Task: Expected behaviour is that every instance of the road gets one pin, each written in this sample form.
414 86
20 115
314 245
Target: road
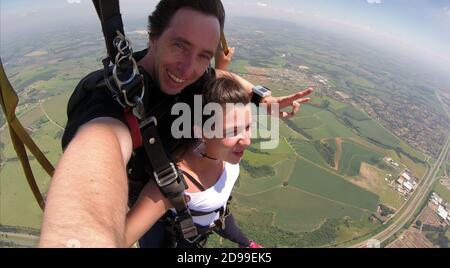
48 117
416 199
19 239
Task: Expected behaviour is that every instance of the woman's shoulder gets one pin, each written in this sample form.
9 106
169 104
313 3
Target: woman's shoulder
232 170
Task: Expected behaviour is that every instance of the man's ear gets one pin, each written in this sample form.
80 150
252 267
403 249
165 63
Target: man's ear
152 41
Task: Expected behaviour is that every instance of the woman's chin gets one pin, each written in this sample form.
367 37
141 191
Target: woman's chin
234 161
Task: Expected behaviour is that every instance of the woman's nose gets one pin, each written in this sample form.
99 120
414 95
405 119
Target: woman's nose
245 140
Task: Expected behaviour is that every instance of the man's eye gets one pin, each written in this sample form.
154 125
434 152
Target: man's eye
179 45
205 57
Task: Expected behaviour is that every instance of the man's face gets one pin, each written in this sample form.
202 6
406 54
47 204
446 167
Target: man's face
183 52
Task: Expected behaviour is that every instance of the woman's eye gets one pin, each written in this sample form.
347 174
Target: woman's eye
231 133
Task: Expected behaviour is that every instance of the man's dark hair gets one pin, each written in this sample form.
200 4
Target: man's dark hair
166 9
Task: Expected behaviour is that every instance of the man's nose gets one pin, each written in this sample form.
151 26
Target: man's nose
187 67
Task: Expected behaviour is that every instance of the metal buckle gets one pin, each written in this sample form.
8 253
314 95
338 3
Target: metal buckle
149 121
220 223
166 176
119 82
192 241
125 52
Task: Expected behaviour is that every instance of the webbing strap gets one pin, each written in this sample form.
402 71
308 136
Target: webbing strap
20 138
108 12
167 177
194 181
133 124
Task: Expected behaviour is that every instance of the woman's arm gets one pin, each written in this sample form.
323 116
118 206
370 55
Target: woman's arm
149 208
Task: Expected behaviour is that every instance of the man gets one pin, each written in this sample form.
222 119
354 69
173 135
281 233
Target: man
87 200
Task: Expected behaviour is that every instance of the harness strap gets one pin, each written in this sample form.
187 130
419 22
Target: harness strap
20 138
168 178
194 181
133 124
108 12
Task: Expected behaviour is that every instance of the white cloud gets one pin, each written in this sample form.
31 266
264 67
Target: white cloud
374 1
262 4
447 11
74 1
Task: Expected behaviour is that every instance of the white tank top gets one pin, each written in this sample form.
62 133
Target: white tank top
213 198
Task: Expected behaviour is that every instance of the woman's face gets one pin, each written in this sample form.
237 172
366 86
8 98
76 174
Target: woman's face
236 135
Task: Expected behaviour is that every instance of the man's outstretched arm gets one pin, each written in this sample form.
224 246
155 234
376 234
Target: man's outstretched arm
87 200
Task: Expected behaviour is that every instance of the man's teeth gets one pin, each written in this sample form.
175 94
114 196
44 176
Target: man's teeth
176 79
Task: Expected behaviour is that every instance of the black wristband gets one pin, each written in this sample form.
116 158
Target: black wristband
256 99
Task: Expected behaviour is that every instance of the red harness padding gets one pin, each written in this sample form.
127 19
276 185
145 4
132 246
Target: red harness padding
133 125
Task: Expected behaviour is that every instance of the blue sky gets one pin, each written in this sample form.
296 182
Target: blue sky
423 24
420 23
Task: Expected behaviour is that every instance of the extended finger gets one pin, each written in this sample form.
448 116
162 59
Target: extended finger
304 100
289 99
295 108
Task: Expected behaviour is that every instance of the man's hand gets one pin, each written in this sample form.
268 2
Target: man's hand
222 60
294 100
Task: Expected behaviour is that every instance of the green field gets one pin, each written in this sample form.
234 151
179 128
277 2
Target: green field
373 130
307 150
353 113
322 182
352 156
330 127
251 186
442 191
239 66
312 191
56 108
318 100
18 206
296 210
308 122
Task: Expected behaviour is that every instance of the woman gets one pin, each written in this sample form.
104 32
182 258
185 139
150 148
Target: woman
210 167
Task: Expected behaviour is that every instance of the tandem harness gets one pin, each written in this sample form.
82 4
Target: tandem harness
126 86
171 227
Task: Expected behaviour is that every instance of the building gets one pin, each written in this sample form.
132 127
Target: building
442 212
436 199
406 176
408 186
